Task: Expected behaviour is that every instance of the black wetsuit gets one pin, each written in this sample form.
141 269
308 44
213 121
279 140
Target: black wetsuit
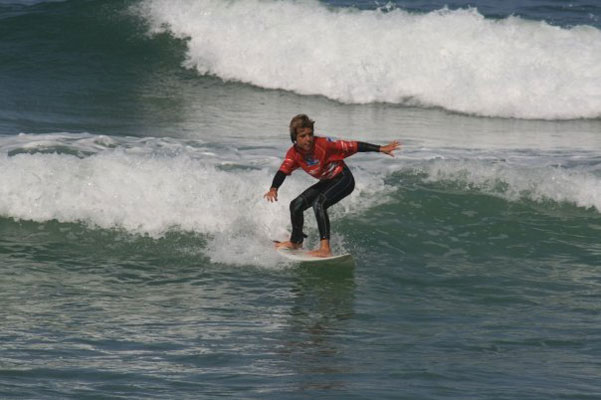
320 196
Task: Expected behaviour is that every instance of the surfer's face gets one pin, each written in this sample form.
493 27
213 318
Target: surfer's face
304 138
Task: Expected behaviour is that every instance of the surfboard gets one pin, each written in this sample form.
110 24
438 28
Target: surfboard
302 256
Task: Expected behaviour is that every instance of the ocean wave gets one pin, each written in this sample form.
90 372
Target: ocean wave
457 60
579 186
151 186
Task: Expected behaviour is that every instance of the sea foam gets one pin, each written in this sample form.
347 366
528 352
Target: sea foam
457 60
577 186
150 186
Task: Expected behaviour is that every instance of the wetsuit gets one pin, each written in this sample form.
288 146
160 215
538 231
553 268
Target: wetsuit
324 162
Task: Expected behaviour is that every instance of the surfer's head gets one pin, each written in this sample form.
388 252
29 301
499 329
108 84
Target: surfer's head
299 122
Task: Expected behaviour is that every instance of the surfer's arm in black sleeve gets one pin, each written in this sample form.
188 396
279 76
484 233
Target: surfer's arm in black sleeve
362 147
386 149
278 179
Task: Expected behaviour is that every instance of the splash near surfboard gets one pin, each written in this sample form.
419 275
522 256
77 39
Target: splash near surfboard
302 256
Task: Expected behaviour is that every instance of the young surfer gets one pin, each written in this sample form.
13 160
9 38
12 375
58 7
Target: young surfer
321 158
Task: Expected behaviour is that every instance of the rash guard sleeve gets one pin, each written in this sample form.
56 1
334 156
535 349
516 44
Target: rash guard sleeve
362 147
290 162
278 179
340 149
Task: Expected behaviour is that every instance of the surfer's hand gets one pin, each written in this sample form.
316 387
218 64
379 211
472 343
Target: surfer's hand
272 195
390 147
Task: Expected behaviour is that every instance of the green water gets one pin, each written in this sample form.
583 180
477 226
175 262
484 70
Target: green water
501 303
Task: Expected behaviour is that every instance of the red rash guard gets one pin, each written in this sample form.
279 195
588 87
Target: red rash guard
324 162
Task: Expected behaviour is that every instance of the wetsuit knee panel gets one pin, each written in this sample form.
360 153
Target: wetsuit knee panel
297 205
320 203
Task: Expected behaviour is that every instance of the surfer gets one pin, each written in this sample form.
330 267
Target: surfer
321 158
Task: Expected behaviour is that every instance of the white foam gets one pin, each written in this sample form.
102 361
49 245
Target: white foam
150 186
457 60
578 186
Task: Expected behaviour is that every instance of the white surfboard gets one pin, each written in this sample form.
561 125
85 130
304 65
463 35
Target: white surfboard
302 256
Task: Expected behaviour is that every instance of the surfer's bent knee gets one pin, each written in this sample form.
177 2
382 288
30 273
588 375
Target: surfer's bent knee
319 204
323 222
297 205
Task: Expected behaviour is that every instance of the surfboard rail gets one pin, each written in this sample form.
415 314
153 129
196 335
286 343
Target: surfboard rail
302 256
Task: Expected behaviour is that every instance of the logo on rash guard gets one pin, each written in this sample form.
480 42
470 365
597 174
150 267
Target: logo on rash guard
329 171
311 161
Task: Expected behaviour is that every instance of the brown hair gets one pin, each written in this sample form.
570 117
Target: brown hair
298 122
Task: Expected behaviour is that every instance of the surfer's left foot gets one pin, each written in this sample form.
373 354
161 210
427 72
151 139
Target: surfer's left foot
288 245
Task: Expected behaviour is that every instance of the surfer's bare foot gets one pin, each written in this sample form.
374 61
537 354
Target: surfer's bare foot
320 253
288 245
324 249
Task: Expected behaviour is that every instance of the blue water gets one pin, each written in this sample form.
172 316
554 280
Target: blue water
137 138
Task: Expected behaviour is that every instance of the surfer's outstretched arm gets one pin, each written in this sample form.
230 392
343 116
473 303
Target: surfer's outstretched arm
272 194
386 149
390 147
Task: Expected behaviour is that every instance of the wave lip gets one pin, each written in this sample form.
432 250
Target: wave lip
578 186
457 60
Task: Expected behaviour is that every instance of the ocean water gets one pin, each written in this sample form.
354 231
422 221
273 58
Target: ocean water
137 138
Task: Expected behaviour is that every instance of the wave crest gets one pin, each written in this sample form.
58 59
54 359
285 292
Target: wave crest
457 60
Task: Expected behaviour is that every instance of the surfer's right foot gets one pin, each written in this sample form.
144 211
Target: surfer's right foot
288 245
320 253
